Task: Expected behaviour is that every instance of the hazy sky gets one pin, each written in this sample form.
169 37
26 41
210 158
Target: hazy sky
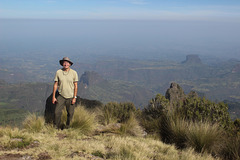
148 27
122 9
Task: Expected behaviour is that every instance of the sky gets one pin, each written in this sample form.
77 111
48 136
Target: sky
203 27
220 10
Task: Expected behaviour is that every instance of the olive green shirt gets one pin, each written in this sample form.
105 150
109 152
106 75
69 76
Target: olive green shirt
66 82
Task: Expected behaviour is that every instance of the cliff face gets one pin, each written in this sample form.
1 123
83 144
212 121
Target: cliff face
192 59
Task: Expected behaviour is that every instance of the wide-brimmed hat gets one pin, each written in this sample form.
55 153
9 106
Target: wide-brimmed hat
65 59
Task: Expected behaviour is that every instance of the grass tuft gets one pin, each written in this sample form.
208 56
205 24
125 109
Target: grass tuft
83 120
179 128
205 137
14 138
131 127
33 123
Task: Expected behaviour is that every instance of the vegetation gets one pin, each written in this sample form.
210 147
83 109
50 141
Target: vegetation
50 143
33 123
191 128
197 123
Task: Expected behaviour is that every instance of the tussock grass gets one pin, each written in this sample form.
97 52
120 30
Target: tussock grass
179 128
232 148
32 123
131 127
83 120
14 138
205 137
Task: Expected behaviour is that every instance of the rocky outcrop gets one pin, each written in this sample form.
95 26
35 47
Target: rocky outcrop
175 93
192 59
176 96
50 108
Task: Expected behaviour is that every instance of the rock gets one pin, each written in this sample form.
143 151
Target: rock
175 94
50 108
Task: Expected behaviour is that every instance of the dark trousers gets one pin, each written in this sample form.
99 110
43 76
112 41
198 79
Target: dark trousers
61 103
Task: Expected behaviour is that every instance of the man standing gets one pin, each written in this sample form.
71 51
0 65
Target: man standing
65 82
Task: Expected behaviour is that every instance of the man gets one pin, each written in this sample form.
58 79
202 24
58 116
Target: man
66 83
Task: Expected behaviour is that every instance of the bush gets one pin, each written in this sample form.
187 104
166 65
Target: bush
201 109
33 123
83 120
117 112
154 113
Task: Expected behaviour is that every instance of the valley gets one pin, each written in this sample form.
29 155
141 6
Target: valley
26 84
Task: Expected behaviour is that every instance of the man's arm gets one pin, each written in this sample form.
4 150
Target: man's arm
75 92
55 86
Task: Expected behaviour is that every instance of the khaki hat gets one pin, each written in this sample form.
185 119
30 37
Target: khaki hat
65 59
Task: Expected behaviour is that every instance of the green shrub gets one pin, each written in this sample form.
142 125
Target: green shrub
201 109
32 123
117 112
83 120
153 115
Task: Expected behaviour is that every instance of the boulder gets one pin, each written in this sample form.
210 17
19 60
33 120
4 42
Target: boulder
50 107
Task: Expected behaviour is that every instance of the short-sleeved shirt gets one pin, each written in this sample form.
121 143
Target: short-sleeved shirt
66 82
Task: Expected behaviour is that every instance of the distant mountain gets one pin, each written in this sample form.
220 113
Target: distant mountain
192 59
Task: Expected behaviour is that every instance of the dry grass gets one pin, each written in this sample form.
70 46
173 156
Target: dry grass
11 138
205 137
83 120
131 127
77 142
68 144
33 123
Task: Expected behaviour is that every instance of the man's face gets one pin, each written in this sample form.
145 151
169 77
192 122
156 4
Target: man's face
66 64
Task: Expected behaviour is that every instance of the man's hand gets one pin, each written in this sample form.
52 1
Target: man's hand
54 100
74 100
